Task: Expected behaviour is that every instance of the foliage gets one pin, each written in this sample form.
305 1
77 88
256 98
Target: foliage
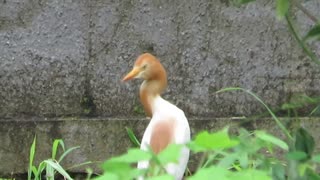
248 155
52 165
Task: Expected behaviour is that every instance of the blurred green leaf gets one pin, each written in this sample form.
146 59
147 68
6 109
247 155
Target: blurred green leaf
304 142
170 154
122 165
210 173
282 8
211 141
243 159
274 140
314 33
116 166
161 177
132 156
311 174
107 176
316 158
297 155
250 174
228 160
122 170
278 172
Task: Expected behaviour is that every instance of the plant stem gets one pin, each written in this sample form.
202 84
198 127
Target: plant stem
300 42
202 160
305 11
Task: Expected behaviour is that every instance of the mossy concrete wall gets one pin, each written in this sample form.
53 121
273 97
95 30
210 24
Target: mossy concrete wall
66 59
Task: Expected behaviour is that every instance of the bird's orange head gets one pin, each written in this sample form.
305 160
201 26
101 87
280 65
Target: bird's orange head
146 67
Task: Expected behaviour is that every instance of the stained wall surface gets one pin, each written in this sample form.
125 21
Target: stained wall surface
62 58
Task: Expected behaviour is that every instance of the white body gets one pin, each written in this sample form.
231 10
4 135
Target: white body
162 109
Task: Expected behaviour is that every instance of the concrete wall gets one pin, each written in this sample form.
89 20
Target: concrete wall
63 58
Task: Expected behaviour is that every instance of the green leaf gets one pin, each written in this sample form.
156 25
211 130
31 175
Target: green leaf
227 161
31 157
282 8
278 172
311 174
122 167
314 33
170 154
243 159
316 158
123 170
107 176
304 142
297 155
250 174
269 138
116 167
67 152
58 168
210 173
218 140
132 156
132 137
55 145
161 177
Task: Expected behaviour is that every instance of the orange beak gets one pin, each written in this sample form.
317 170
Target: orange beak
132 74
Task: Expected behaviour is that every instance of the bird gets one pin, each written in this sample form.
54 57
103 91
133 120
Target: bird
168 123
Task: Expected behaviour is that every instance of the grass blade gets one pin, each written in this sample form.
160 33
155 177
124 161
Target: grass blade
314 33
56 166
132 137
274 140
305 48
35 172
41 167
67 152
282 8
281 126
89 173
316 109
49 172
81 164
55 145
31 157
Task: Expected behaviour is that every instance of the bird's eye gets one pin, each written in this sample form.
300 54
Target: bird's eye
144 66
